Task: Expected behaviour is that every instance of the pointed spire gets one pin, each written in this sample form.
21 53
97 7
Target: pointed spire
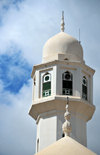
66 127
62 22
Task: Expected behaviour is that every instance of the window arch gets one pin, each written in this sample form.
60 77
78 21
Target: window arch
34 80
67 83
46 91
63 135
66 59
84 88
38 145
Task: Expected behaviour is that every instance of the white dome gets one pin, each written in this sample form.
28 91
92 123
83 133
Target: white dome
66 146
62 46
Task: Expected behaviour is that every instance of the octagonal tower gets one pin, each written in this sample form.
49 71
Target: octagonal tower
62 73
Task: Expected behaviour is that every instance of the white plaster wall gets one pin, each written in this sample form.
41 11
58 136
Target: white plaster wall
36 87
74 73
59 81
46 131
54 80
91 89
33 90
60 121
88 88
78 129
77 82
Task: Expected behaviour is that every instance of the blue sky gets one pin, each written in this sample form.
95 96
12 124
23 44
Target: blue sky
14 71
25 25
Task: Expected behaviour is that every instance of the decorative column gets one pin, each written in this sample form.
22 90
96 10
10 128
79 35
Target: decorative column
66 127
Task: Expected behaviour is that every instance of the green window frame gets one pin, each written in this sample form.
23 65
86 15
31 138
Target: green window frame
46 86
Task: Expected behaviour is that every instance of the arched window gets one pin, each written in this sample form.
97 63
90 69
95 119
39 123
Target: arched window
67 83
37 145
84 88
63 135
66 59
46 85
34 80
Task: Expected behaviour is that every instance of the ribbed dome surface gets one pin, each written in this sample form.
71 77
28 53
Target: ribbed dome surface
62 46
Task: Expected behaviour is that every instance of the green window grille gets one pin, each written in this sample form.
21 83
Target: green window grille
67 83
46 86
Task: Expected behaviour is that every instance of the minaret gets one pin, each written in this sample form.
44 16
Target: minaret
62 73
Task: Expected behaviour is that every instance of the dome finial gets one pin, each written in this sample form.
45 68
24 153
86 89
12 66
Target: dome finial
62 22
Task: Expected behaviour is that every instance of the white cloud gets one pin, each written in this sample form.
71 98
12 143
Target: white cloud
22 28
17 132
